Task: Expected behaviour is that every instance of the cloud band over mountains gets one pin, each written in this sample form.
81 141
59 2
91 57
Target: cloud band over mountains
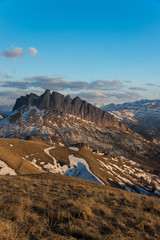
94 91
58 84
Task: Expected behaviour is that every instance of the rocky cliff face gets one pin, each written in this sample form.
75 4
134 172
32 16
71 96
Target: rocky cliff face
60 104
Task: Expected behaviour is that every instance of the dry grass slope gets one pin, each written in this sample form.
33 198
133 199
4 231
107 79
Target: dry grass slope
13 152
29 157
47 206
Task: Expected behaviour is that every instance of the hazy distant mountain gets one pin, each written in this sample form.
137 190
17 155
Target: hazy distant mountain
129 105
141 116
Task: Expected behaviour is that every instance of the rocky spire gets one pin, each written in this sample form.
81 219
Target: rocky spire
44 100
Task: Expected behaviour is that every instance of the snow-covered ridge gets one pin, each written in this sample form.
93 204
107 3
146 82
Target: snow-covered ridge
129 105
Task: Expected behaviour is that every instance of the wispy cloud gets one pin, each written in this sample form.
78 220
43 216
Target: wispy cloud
102 97
13 95
127 81
126 95
6 76
91 95
137 88
150 84
10 94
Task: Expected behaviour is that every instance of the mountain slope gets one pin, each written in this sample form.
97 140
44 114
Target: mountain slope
69 129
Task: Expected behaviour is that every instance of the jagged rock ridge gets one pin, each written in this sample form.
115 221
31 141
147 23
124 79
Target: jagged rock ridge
61 104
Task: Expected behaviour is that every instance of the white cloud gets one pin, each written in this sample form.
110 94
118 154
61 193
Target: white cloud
32 51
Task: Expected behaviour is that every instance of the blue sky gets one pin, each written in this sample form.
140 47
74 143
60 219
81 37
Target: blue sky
102 50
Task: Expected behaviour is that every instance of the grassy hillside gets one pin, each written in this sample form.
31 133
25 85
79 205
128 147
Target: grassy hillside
16 153
51 206
31 157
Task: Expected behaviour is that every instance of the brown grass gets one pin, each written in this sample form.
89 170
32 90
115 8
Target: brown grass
55 207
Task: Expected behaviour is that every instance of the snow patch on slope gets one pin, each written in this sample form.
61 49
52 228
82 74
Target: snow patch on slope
74 149
5 169
78 167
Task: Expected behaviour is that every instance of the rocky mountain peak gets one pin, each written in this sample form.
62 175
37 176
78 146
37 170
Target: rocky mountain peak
59 104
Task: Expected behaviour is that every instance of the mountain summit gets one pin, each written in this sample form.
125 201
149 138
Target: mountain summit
60 104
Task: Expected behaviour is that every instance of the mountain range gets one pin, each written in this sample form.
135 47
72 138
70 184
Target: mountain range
58 134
